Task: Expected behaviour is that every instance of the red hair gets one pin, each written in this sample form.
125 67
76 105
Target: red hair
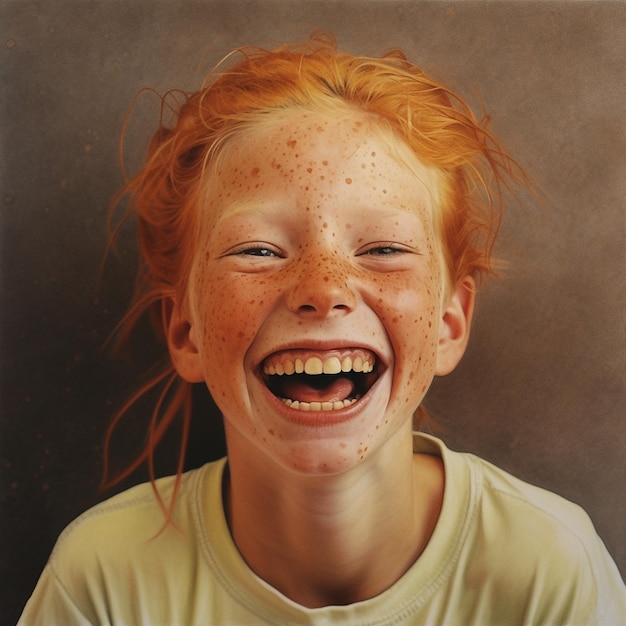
436 124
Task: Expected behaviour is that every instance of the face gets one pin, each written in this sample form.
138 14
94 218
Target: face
314 308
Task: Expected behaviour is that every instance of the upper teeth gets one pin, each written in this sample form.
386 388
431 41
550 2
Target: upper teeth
315 365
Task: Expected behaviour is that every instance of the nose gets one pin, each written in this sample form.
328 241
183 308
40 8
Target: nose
321 290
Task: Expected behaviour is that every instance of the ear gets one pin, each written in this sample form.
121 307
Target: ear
183 351
454 329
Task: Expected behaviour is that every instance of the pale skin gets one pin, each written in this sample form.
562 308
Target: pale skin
317 244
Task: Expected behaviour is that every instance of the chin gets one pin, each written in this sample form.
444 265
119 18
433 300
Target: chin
325 460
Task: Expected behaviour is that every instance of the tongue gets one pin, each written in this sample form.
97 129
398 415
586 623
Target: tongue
328 389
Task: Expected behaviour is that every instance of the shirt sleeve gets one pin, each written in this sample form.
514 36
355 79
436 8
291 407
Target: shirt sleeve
611 590
51 605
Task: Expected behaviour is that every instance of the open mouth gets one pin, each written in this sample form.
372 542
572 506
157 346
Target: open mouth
326 381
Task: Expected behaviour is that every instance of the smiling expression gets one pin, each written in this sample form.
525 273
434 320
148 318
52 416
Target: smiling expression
315 300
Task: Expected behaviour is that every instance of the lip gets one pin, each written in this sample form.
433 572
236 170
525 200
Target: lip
321 418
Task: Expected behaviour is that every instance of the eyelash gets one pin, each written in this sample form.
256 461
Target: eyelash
387 249
260 251
256 250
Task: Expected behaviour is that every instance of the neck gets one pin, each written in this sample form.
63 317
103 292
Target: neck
337 539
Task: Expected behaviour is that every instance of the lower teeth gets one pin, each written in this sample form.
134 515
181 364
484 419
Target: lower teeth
319 406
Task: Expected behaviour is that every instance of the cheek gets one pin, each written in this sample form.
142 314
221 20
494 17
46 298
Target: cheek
412 325
229 311
410 315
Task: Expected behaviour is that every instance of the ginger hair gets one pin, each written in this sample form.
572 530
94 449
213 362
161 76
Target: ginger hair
437 125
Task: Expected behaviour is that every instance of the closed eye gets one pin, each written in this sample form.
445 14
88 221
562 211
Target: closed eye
258 252
386 249
255 250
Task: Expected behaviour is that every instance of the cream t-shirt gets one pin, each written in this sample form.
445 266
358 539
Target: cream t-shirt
503 553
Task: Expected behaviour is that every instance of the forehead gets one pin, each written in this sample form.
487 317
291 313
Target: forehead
319 147
297 161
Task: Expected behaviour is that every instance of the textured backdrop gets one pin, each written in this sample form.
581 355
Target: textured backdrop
542 389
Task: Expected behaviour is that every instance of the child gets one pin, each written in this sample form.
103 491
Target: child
313 228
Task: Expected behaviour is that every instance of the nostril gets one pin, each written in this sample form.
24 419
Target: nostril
321 309
321 298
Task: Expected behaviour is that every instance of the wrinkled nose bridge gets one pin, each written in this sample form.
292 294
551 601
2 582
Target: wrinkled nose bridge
322 287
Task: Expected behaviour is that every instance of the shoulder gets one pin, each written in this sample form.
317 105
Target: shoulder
511 505
126 535
553 544
524 544
120 562
505 493
506 507
134 514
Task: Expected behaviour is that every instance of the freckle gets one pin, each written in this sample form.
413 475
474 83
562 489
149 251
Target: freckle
348 181
324 162
373 154
255 172
309 170
292 143
322 178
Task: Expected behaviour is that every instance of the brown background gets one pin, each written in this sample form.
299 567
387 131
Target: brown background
542 389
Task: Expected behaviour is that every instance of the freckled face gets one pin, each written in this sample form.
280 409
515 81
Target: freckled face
315 295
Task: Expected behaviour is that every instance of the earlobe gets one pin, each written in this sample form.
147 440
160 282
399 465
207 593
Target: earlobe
455 325
182 348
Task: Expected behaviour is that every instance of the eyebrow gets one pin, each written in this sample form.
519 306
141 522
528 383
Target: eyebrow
245 209
252 209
